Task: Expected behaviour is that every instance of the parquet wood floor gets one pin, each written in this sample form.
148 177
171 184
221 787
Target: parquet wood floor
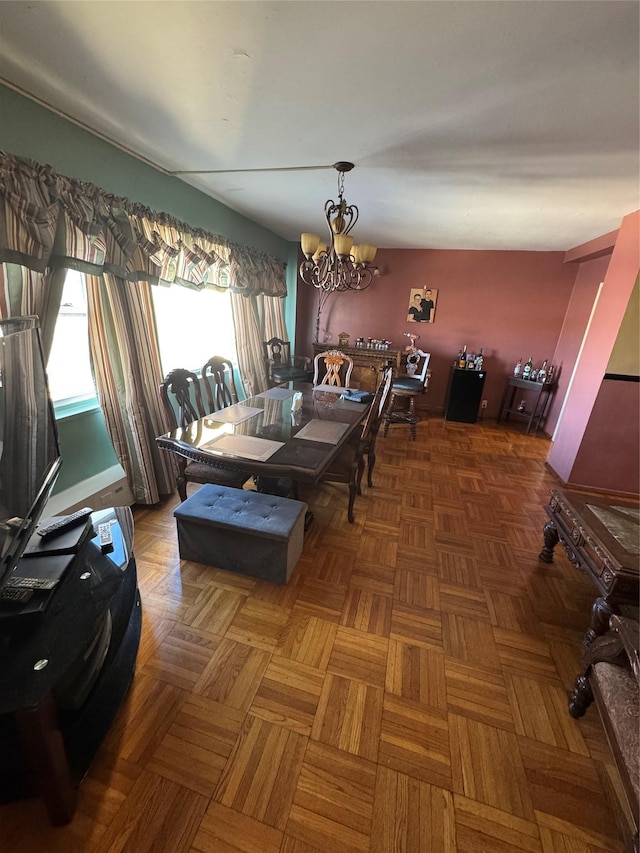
406 691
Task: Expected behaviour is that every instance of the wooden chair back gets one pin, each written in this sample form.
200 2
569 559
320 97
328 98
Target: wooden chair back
219 384
333 362
181 389
417 365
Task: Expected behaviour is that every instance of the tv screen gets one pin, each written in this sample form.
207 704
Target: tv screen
29 451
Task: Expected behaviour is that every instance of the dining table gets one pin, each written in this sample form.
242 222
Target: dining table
289 432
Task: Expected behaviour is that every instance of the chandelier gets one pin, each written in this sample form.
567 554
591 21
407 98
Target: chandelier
338 265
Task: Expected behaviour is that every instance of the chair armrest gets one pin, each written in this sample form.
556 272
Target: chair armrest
629 633
301 361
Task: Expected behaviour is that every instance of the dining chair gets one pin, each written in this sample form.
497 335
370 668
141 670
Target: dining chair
404 390
183 404
281 366
348 466
333 364
219 384
370 448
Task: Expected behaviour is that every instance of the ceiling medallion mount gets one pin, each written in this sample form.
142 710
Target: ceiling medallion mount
339 264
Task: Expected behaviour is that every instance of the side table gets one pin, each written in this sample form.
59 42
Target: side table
538 396
600 537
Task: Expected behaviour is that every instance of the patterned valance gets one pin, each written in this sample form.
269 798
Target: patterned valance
49 220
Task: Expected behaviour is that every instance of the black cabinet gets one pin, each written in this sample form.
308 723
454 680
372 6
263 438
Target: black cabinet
464 395
66 670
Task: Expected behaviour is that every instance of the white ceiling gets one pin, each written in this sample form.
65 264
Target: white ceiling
486 125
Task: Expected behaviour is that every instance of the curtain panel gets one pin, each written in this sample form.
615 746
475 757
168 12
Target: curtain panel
50 223
48 220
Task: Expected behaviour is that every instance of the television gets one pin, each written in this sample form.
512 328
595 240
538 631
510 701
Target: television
29 450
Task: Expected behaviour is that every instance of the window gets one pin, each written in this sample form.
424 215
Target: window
193 326
69 365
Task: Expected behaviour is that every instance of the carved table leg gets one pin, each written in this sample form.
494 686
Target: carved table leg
601 612
551 539
581 697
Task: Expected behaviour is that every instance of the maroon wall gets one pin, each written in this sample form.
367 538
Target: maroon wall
510 303
609 455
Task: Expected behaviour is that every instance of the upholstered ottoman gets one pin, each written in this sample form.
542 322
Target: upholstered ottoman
242 531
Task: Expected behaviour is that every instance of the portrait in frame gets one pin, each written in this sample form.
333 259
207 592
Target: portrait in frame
422 305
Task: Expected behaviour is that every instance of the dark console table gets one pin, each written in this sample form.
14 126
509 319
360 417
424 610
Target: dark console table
66 670
600 537
537 397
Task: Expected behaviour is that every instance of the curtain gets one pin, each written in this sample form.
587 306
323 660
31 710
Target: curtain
274 325
126 366
24 291
249 339
48 220
50 223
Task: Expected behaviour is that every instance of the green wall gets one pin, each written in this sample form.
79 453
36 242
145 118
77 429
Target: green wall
28 130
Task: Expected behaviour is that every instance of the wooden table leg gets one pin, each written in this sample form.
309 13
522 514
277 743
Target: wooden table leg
601 613
551 539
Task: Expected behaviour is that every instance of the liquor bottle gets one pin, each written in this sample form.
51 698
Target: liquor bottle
479 360
550 372
542 373
534 374
471 360
462 362
526 370
518 368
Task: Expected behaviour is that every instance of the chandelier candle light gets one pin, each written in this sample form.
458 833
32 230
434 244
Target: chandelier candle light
339 265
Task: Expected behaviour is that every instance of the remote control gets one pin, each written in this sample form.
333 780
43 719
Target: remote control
65 523
14 596
105 536
31 583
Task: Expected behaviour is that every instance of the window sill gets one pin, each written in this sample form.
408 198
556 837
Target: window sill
70 407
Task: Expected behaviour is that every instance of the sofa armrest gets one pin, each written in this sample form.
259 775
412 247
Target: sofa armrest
628 630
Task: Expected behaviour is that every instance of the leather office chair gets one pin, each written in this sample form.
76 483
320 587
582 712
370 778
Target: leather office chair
281 366
219 384
348 466
333 364
404 390
181 389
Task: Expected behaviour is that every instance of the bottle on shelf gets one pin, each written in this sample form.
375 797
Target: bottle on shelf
526 370
550 372
522 405
533 376
479 360
517 370
471 358
462 361
542 373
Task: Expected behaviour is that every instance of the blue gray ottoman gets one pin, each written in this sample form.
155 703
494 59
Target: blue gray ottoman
242 531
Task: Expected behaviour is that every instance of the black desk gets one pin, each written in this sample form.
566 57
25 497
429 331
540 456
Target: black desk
537 396
65 671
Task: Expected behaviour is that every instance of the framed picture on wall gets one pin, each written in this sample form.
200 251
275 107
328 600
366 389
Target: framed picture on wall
422 305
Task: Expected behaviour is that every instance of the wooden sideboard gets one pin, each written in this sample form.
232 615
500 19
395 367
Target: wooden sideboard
367 363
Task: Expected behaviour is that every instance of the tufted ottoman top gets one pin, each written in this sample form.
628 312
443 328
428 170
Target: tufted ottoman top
234 509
